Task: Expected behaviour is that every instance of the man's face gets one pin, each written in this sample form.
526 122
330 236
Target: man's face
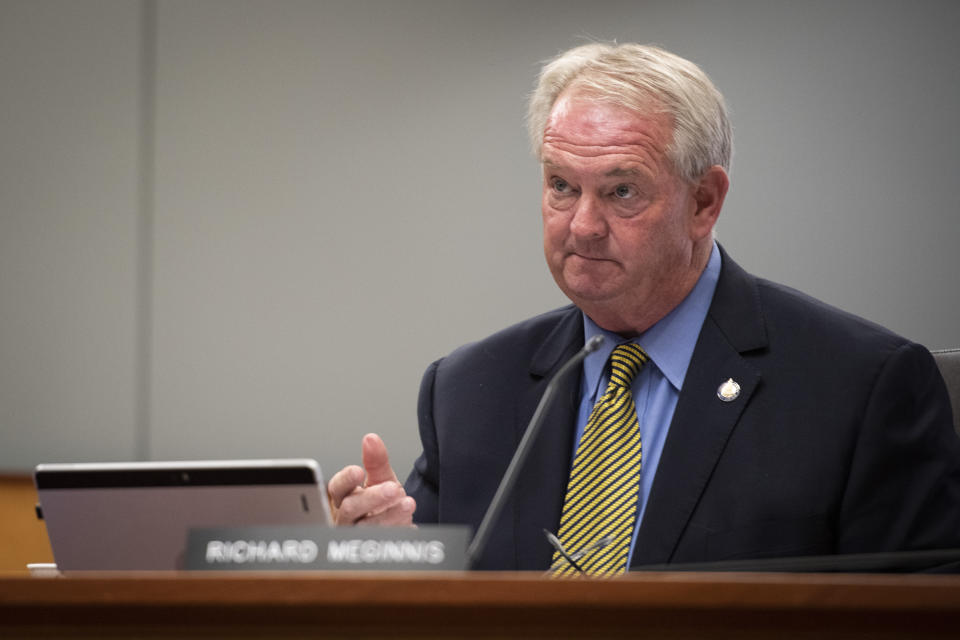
616 220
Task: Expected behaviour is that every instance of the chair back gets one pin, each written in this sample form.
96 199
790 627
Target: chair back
949 362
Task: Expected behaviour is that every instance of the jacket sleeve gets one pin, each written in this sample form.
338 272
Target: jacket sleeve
423 481
903 489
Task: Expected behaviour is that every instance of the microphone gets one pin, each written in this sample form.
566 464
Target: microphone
479 542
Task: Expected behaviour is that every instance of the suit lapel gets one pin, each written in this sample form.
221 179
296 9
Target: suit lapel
702 422
543 480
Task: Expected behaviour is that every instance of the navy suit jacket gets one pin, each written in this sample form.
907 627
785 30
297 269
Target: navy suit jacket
841 440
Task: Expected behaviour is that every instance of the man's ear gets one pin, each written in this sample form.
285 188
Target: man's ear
708 194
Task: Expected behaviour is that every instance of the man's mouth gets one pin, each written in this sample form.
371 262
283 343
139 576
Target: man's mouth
587 256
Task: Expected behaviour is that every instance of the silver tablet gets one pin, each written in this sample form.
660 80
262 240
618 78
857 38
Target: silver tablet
136 515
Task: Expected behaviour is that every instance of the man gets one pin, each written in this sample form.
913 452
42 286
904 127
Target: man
761 422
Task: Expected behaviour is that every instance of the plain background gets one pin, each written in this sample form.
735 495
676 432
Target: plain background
244 228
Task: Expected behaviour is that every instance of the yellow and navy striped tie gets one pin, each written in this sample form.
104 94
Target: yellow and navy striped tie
601 499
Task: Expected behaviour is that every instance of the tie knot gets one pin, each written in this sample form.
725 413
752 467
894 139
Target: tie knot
625 362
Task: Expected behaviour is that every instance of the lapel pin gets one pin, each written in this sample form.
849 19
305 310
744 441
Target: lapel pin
728 391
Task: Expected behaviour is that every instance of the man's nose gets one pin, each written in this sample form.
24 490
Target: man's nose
588 220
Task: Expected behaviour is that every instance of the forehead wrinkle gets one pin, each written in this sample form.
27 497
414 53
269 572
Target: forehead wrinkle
637 165
621 172
651 131
624 141
592 150
642 150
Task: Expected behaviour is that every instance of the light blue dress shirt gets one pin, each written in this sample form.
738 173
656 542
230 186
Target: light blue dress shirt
669 343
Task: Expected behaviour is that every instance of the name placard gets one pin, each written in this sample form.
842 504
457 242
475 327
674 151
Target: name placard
313 548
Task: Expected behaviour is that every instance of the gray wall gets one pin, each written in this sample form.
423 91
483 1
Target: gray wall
243 229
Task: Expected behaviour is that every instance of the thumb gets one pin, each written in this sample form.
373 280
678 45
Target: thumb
376 462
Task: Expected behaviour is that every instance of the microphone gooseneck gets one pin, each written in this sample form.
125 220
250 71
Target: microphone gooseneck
479 542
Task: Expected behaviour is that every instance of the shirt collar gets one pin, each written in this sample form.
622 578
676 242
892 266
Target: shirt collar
669 342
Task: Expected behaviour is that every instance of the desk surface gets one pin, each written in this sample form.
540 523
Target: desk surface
677 605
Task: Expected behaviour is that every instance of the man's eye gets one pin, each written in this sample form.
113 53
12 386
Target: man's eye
623 191
560 186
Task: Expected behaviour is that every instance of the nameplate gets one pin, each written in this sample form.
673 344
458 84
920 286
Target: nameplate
312 548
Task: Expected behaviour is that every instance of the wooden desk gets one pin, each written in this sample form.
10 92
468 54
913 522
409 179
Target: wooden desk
662 605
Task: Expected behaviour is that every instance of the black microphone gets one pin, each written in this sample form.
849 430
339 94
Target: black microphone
510 476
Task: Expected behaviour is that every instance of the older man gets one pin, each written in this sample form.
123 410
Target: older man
724 417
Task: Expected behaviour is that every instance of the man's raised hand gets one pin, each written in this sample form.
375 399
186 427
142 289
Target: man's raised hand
370 494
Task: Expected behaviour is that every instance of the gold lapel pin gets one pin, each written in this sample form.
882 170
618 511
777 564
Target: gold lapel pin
728 391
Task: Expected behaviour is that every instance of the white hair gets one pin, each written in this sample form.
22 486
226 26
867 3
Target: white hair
645 79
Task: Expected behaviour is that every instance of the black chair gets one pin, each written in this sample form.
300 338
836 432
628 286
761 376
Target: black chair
949 362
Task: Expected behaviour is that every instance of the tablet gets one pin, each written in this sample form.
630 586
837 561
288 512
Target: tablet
136 515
